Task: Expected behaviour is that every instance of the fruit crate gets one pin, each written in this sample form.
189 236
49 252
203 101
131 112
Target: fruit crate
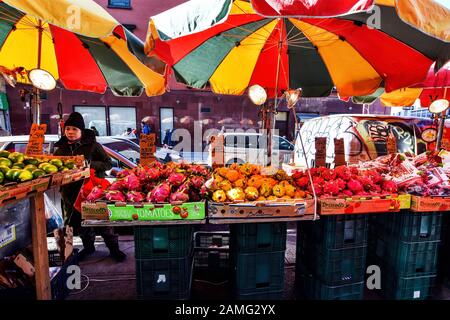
336 232
255 273
395 287
271 295
359 204
212 250
163 242
168 279
333 266
14 191
312 288
409 226
406 258
258 237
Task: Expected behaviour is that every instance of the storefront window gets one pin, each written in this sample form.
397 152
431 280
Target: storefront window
119 4
166 125
122 118
94 117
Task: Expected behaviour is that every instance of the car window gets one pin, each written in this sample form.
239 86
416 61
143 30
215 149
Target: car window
22 146
128 150
283 144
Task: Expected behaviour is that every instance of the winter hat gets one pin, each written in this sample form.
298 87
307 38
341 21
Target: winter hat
75 120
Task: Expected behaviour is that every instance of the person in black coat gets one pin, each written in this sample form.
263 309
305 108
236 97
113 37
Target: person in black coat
80 141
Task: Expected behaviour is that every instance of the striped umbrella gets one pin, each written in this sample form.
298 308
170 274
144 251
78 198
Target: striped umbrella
80 44
351 53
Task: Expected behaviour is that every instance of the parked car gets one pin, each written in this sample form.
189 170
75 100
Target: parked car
365 136
244 147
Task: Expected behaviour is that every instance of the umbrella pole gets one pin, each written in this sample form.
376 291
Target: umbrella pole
37 100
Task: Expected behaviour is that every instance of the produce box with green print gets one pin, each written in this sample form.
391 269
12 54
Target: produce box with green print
121 211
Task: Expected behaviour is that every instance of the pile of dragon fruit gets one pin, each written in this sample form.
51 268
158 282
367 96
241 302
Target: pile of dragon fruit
344 181
156 183
423 175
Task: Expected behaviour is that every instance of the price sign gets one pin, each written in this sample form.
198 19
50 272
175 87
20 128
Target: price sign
217 151
36 141
148 148
321 151
339 152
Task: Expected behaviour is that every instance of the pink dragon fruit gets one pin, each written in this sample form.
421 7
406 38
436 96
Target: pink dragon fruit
135 196
118 185
347 192
123 174
197 182
132 183
95 194
153 174
114 195
199 170
179 197
194 195
160 194
355 186
176 179
389 186
204 192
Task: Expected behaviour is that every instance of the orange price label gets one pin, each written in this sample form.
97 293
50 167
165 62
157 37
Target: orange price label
148 148
36 141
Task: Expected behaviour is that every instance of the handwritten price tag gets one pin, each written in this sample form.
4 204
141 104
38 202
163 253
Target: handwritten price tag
148 148
321 151
36 141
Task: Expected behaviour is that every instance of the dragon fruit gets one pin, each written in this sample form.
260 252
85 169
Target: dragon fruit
114 195
197 182
367 183
329 175
355 186
95 194
179 197
302 182
159 194
132 183
297 174
199 170
389 186
122 174
317 188
118 185
331 188
135 196
153 174
318 180
194 195
341 184
347 192
176 179
343 173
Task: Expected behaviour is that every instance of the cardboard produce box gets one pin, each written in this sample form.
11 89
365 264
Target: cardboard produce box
430 204
359 204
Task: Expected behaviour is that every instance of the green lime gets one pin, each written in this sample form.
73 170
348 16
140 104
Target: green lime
4 169
70 164
50 168
43 164
30 160
12 174
37 173
4 153
56 162
63 169
30 167
25 175
16 157
5 162
2 177
19 165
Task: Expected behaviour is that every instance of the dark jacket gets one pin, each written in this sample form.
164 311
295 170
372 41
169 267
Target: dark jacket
92 151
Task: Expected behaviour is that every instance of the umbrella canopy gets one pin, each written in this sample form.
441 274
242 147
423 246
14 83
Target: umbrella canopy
308 8
79 43
280 53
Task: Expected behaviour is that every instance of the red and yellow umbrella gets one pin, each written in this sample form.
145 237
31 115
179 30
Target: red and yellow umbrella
79 44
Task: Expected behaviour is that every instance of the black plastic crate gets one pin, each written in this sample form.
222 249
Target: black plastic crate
164 278
333 266
311 288
395 287
271 295
258 237
163 241
409 226
407 258
336 232
255 273
212 255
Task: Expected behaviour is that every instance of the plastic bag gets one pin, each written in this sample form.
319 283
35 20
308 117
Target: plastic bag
87 187
53 216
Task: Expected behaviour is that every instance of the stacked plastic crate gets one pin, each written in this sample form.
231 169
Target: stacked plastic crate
164 262
257 259
405 246
331 257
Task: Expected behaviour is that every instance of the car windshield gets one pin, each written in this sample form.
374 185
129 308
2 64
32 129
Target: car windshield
128 150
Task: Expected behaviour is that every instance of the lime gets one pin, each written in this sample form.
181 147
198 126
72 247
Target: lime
2 177
4 153
19 165
5 162
12 174
30 167
63 169
25 175
4 169
49 168
70 164
56 162
43 164
37 173
30 160
16 157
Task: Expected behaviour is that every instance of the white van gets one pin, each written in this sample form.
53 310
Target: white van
245 147
365 136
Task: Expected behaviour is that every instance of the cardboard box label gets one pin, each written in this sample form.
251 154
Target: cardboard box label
7 235
427 204
94 211
36 140
352 206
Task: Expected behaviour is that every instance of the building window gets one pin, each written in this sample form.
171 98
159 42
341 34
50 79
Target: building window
166 123
122 118
94 117
123 4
